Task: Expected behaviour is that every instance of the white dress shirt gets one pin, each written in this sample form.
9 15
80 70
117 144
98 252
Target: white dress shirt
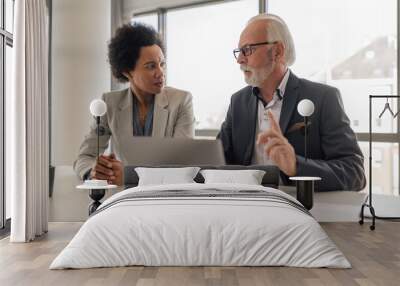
263 124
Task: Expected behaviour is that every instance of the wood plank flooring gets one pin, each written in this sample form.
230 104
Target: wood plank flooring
374 255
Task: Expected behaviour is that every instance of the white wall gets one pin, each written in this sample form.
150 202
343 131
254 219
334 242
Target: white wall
80 71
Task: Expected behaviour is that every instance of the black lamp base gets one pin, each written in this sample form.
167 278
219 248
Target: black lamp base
96 195
305 193
305 190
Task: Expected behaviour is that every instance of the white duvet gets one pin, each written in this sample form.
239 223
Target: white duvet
183 231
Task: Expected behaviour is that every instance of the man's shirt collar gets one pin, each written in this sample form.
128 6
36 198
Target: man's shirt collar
279 93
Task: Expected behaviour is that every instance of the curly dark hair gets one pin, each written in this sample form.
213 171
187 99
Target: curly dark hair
124 47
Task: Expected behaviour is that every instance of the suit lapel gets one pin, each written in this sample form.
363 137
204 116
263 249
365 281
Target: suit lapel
160 115
250 133
289 102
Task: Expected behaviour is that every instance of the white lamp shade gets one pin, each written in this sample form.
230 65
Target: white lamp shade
98 107
305 107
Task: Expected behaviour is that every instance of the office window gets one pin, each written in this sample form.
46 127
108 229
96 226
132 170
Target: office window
385 167
149 19
200 41
355 52
6 43
9 15
8 85
2 131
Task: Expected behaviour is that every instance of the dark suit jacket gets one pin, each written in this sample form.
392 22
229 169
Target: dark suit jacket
333 151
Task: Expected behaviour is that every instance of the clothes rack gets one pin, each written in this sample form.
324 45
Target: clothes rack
368 202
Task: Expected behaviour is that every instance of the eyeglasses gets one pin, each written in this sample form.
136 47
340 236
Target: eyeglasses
249 49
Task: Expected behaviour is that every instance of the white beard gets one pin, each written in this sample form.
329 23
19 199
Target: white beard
258 76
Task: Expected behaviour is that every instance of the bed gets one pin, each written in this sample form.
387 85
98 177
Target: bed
201 224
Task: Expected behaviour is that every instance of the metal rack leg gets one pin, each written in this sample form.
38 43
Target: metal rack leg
374 216
372 211
361 221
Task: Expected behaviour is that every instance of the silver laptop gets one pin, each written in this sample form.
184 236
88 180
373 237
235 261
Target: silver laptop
151 151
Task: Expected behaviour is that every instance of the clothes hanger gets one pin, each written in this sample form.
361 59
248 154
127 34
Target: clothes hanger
387 107
397 113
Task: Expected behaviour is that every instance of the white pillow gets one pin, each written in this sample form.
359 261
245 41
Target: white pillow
163 176
248 177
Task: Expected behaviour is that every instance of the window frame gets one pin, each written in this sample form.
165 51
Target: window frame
6 39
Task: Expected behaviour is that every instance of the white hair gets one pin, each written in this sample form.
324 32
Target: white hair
278 31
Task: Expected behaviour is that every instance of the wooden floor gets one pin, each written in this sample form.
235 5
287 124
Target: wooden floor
374 255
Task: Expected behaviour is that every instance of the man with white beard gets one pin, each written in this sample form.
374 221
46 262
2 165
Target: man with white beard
263 127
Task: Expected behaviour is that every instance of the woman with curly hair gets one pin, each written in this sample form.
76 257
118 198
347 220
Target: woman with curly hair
145 108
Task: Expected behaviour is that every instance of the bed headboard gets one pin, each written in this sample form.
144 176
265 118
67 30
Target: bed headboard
270 179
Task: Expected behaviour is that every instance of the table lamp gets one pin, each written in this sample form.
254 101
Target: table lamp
305 185
98 108
96 188
305 109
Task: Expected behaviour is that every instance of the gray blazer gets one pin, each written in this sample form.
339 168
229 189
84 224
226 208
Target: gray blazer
333 151
173 117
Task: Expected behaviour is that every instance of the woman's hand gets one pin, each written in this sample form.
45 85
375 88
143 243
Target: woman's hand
108 168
